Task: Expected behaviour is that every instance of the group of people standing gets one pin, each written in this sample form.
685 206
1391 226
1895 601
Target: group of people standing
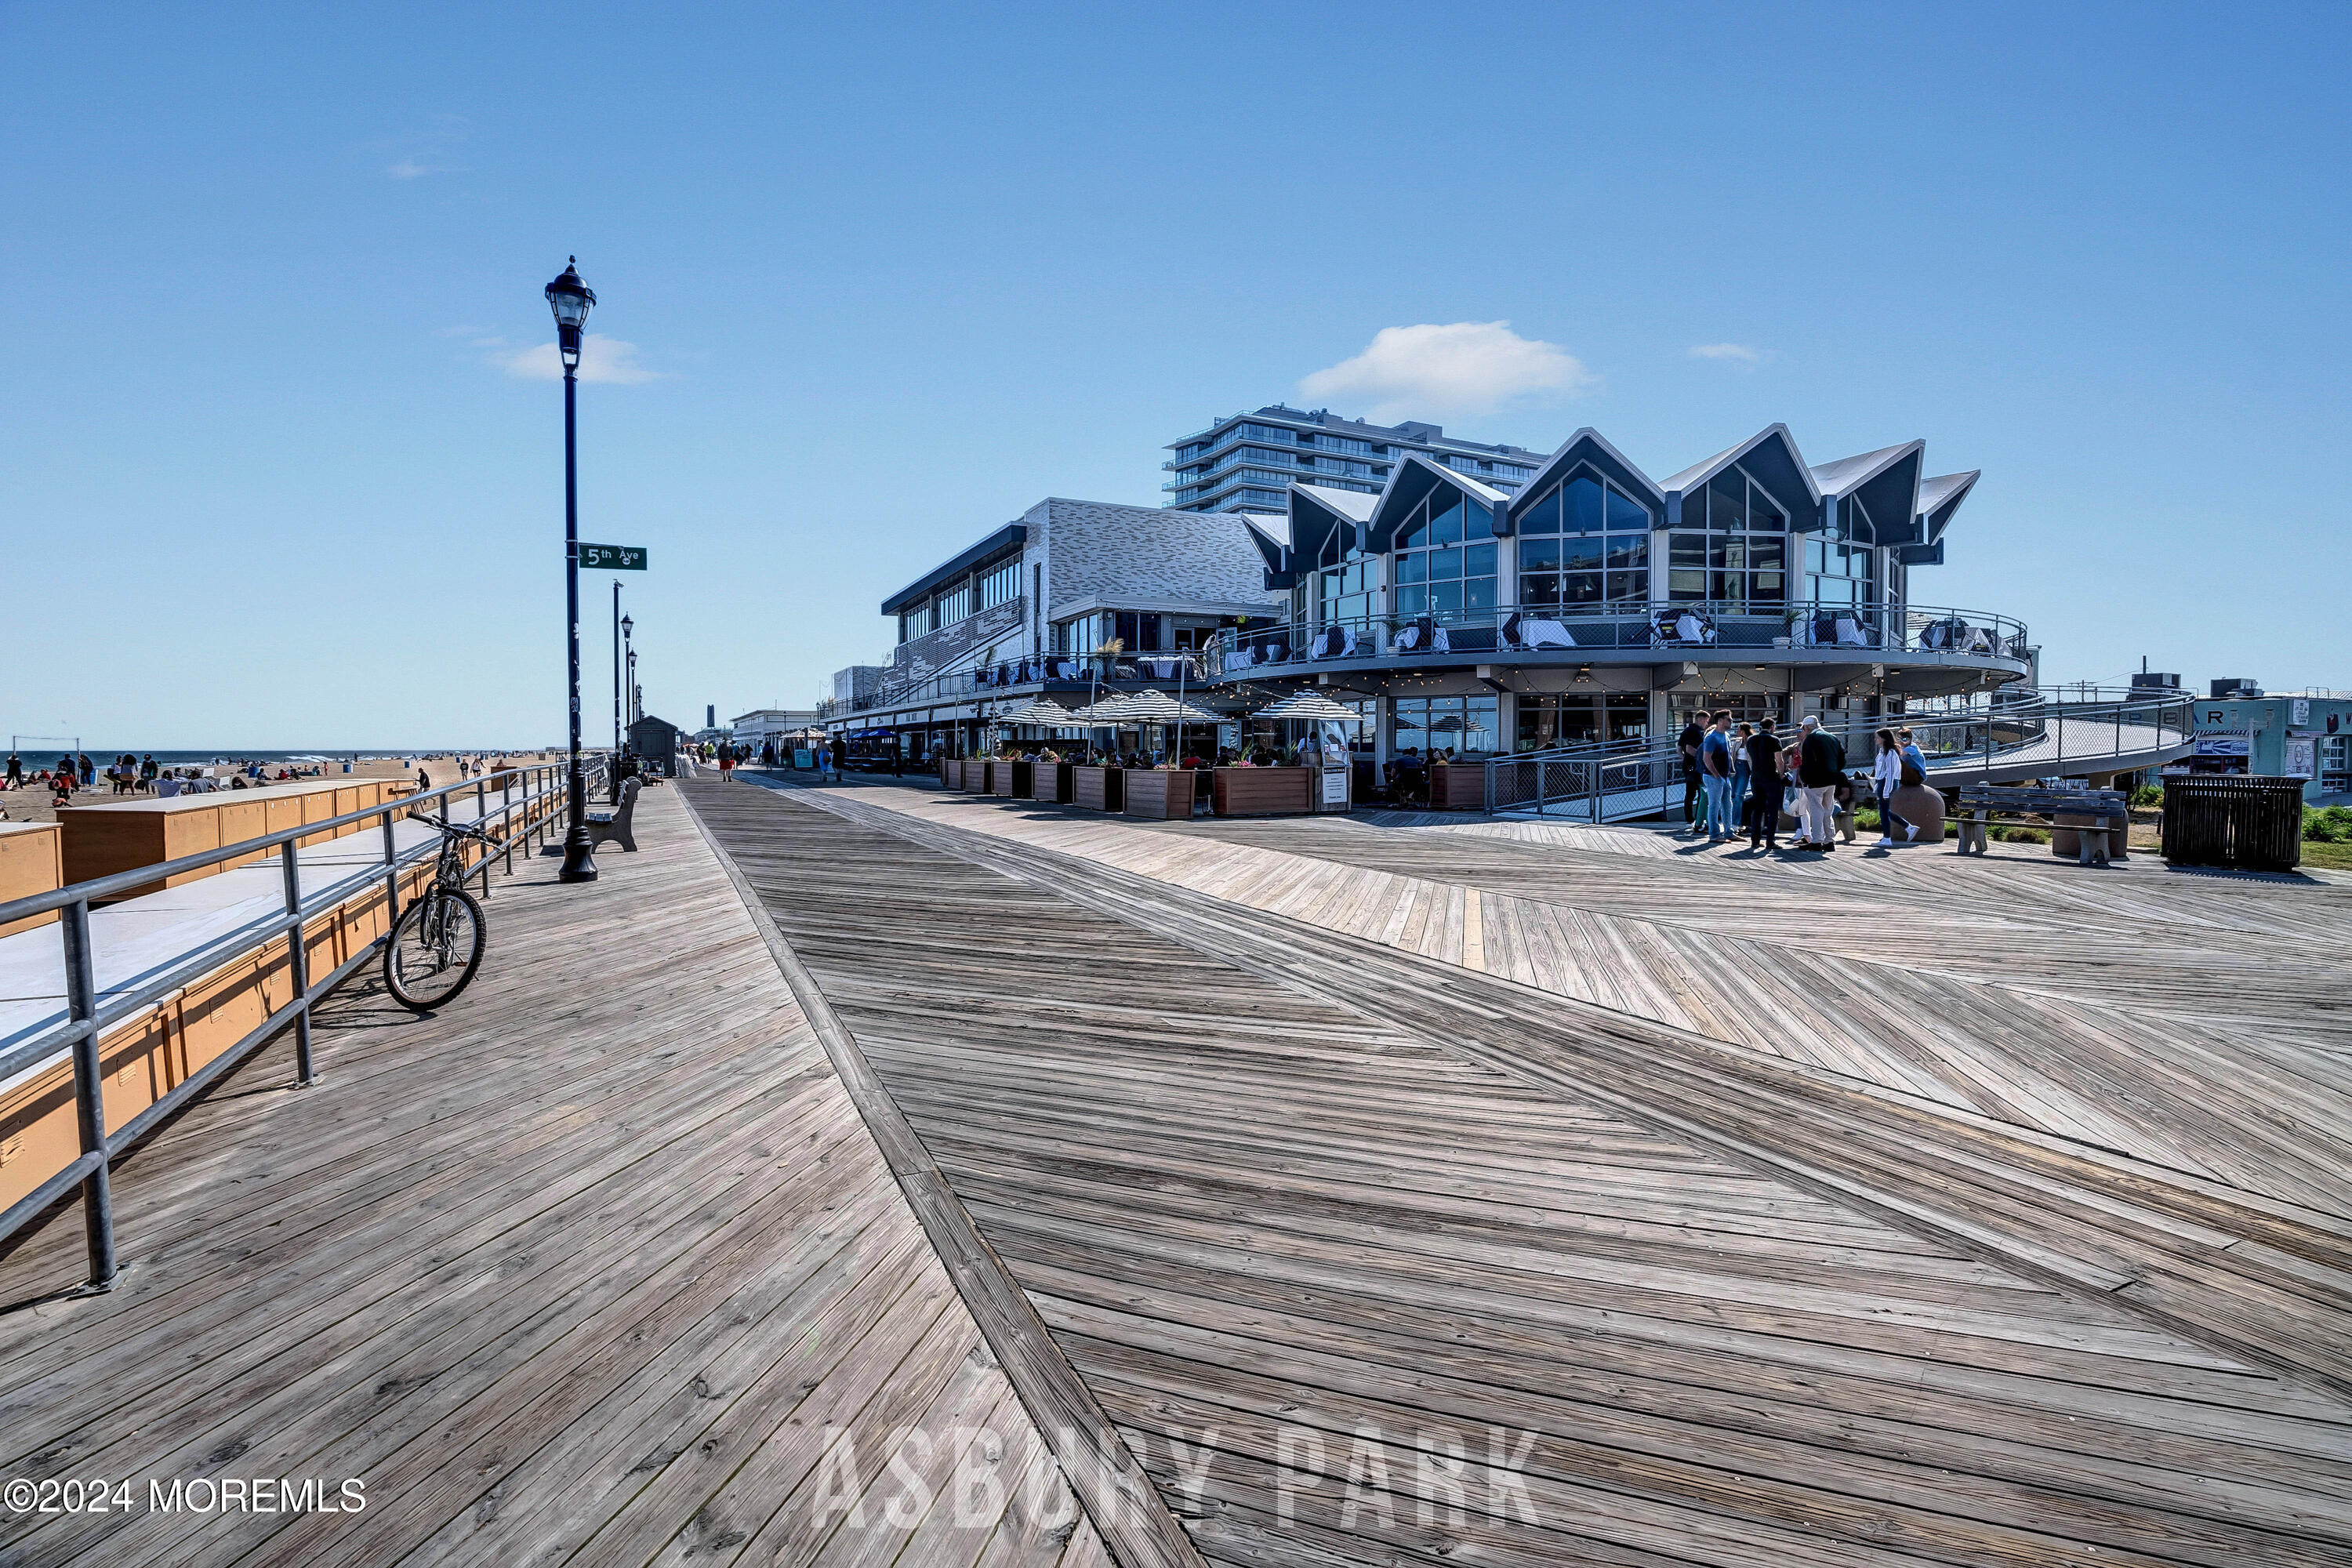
1738 780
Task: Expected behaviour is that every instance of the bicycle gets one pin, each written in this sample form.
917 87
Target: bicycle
437 940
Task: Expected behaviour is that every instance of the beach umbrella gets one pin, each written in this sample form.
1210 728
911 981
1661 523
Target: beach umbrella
1156 707
1043 710
1312 706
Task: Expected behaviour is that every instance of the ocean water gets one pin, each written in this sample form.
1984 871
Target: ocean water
103 755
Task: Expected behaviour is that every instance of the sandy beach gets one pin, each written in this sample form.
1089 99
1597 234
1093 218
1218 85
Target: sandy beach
33 803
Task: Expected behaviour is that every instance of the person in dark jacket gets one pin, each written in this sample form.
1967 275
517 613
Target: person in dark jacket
1694 733
1764 778
1821 766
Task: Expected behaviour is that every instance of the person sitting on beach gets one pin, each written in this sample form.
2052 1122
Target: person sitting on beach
61 787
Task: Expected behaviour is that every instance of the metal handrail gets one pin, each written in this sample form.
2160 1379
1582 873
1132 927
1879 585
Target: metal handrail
1589 763
1599 628
88 1017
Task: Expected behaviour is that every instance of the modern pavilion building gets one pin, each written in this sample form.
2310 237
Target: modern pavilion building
1594 603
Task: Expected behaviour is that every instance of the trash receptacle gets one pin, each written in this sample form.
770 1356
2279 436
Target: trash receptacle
2227 819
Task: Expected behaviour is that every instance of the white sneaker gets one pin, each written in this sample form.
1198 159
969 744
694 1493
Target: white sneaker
1885 840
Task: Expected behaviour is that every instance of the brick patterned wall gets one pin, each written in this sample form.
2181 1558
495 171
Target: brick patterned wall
1093 550
930 654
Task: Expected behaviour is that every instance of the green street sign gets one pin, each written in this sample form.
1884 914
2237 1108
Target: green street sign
613 557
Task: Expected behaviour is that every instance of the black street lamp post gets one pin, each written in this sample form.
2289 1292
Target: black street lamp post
571 299
618 621
633 709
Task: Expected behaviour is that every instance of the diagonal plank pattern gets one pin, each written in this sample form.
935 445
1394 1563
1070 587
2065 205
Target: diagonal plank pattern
2256 1276
1359 1296
2041 1021
598 1265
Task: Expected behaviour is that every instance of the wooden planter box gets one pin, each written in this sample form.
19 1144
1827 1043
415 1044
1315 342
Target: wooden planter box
1048 782
30 863
1264 792
1455 786
1009 780
951 773
1099 789
985 771
1164 793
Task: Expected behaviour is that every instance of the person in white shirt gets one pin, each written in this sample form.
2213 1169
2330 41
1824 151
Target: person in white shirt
1886 777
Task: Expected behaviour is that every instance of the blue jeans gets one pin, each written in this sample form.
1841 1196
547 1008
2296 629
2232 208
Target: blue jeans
1720 823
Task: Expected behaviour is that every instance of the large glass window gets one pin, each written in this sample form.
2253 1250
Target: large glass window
955 604
1108 631
1578 719
1346 593
1837 570
1001 586
1445 557
1732 546
1585 544
1464 725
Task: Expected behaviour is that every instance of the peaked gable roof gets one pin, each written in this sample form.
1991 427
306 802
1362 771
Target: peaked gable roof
1587 446
1886 482
1415 476
1939 497
1770 455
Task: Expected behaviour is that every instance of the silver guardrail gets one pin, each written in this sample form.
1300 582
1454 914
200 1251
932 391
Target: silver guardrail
1617 779
89 1016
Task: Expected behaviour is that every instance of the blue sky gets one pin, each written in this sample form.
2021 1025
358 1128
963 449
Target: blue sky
888 275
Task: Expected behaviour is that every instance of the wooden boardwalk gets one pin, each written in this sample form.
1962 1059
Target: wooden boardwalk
601 1266
1385 1244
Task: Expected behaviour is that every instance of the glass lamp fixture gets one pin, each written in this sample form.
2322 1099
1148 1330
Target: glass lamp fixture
571 299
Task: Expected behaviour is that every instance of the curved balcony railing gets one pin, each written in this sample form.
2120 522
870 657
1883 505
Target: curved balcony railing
1693 624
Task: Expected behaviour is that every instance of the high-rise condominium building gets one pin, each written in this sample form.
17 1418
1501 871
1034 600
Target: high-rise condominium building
1242 462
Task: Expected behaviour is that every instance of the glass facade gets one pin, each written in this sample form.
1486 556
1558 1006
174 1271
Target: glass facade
1445 557
1001 586
1732 546
1837 570
1428 724
1578 719
1345 593
1585 544
1108 631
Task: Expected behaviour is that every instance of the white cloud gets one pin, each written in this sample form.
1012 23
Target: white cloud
1739 351
1462 367
426 151
601 358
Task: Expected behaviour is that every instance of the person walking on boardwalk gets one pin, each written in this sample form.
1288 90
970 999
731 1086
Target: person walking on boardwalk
726 763
1820 764
1764 771
1715 765
1742 772
1911 751
1886 777
1688 743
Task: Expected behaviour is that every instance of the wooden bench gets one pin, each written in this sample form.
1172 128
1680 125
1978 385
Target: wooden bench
615 824
2104 836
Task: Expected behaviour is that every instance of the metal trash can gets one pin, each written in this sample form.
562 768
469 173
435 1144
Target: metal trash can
2227 819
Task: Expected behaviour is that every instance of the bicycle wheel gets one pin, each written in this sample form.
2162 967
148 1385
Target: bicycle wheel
437 944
